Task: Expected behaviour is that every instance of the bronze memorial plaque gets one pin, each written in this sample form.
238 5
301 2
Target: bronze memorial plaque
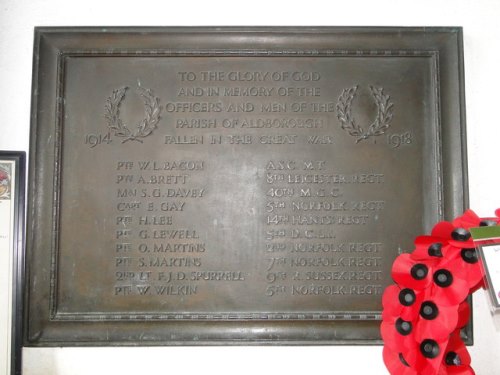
234 185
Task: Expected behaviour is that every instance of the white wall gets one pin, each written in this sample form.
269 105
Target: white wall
480 19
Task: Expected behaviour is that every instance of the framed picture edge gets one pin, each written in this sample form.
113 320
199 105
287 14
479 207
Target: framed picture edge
18 261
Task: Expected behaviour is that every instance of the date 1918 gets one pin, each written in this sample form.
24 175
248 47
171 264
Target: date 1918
398 140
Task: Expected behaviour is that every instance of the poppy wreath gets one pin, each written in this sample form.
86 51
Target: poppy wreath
424 312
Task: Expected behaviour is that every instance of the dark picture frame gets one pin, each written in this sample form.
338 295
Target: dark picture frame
13 179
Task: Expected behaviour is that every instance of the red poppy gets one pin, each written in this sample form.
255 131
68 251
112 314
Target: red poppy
469 219
398 334
397 363
458 236
401 302
429 356
456 359
464 264
461 238
447 289
410 273
443 230
456 345
435 321
433 249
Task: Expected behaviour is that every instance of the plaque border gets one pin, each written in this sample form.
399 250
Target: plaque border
53 45
333 315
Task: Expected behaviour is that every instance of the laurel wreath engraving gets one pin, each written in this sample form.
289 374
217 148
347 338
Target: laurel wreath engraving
377 127
146 127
